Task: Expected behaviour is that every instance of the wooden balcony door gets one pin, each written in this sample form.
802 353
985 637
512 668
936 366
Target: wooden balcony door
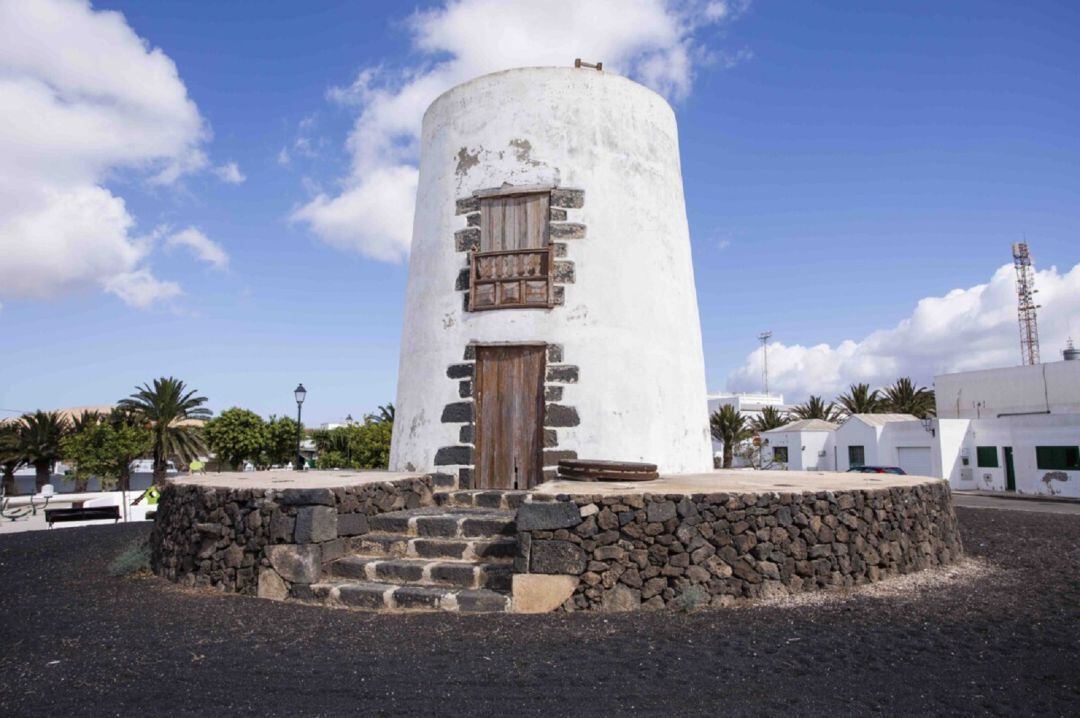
514 266
509 431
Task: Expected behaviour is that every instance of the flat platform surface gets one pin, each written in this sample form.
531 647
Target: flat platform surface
736 480
289 479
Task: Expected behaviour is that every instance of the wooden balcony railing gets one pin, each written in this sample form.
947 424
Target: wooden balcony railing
511 279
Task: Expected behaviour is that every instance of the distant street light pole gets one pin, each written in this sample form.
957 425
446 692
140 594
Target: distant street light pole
300 393
764 339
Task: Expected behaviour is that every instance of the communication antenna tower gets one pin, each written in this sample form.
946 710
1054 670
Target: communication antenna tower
764 339
1025 304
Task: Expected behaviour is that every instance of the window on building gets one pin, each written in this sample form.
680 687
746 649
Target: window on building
514 266
986 457
1058 458
779 453
856 456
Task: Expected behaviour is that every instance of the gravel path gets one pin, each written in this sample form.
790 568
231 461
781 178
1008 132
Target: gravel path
998 634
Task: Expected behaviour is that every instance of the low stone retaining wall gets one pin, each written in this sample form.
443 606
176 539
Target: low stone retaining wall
266 542
684 551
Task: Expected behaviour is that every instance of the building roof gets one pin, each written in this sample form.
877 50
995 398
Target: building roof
882 419
805 425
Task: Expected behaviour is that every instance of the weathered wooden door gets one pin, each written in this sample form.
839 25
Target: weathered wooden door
509 395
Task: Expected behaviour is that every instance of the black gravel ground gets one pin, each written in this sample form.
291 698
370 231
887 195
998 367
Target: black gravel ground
1000 638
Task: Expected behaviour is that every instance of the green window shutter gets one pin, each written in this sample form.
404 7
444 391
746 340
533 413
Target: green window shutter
986 457
1058 458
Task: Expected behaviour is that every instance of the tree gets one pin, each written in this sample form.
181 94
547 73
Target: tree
105 449
170 410
132 442
904 397
11 456
859 399
369 444
384 414
40 435
236 436
280 446
816 408
771 418
729 427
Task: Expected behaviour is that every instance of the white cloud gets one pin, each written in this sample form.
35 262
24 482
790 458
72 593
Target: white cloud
201 246
973 328
230 172
82 98
283 158
650 40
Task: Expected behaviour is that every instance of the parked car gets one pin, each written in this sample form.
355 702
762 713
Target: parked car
877 470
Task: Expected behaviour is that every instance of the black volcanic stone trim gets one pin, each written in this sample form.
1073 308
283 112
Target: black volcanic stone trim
551 438
472 220
443 481
554 353
460 371
560 415
465 474
556 214
451 455
467 205
462 281
559 294
562 373
465 389
560 249
553 393
564 272
568 198
467 240
465 435
459 411
567 230
470 353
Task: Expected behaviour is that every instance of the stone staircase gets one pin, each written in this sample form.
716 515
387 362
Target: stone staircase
455 556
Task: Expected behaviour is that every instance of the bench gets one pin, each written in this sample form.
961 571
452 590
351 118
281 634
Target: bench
90 513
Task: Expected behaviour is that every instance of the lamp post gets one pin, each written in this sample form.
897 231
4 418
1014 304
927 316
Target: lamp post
300 393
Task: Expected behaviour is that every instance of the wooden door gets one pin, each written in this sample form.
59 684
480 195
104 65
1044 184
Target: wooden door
516 222
509 431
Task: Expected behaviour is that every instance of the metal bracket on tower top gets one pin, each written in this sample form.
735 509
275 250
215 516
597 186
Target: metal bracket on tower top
599 67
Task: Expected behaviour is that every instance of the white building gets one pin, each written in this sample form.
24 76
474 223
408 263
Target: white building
550 309
885 440
1011 429
804 445
747 404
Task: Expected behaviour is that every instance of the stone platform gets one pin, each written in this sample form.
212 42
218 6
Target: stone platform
382 540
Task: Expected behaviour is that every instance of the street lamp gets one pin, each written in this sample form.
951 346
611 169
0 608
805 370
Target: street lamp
300 393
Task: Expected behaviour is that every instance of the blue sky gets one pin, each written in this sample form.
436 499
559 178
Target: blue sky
840 165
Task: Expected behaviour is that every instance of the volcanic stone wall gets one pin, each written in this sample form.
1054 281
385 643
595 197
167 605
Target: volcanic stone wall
685 551
266 542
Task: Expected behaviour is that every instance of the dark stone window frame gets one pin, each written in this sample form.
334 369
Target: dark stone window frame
456 463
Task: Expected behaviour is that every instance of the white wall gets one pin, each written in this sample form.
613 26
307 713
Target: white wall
1052 387
959 439
855 433
804 449
630 321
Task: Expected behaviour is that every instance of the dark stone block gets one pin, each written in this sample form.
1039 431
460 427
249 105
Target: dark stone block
556 214
462 281
315 524
557 557
467 205
399 571
450 455
559 415
465 478
460 371
363 595
554 353
467 240
559 295
307 497
444 526
553 393
473 219
551 438
552 458
560 249
660 512
568 198
470 353
477 600
441 481
563 373
465 389
547 516
458 411
567 230
465 435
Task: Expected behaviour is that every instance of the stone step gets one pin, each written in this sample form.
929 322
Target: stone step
392 545
481 498
424 572
445 522
376 596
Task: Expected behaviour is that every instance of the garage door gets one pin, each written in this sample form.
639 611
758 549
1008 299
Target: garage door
915 460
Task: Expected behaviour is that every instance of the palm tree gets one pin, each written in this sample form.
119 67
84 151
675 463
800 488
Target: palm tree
729 427
816 408
87 418
860 399
385 414
771 418
904 397
39 441
11 456
167 408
